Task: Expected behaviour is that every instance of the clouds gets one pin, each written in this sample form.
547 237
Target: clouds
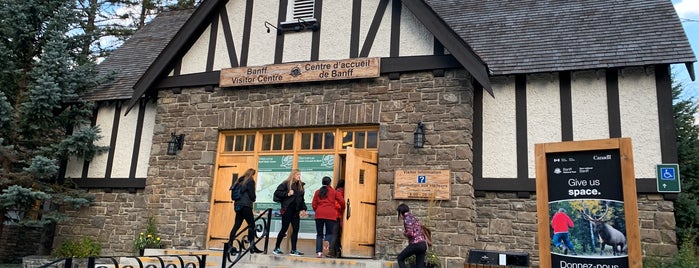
687 9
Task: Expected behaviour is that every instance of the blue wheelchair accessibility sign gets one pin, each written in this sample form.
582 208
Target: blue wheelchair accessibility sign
668 178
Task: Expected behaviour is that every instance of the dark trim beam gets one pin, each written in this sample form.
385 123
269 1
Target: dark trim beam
643 186
87 183
668 133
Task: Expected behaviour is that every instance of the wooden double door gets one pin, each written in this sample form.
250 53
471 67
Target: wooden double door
359 168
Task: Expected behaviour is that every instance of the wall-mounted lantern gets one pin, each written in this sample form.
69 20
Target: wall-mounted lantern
175 144
419 136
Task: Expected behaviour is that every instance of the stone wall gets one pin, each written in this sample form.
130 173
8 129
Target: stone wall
178 188
507 223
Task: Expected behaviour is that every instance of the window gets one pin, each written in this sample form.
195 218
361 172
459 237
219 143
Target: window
239 143
360 139
278 142
287 140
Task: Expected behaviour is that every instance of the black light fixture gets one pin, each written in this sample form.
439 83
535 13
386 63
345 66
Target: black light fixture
419 136
175 143
267 25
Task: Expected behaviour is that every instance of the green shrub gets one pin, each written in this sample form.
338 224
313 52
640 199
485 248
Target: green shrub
687 257
81 248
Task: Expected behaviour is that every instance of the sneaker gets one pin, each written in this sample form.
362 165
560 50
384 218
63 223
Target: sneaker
295 252
319 254
278 251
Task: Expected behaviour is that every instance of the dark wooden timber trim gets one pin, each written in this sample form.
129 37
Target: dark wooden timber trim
178 45
668 133
86 183
388 66
137 138
113 140
228 35
93 122
315 39
245 46
521 126
213 36
374 28
451 41
438 48
566 106
396 10
354 32
63 166
477 132
612 81
279 49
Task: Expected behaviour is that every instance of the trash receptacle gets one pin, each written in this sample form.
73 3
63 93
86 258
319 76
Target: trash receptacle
485 258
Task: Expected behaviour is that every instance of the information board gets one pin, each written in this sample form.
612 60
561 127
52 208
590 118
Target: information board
586 190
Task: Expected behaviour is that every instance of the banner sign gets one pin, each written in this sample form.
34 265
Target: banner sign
422 184
271 171
301 72
586 204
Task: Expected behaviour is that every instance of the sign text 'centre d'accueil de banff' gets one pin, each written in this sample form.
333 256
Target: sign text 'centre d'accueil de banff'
301 72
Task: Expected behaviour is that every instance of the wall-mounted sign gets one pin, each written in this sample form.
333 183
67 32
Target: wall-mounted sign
668 178
422 184
301 72
587 207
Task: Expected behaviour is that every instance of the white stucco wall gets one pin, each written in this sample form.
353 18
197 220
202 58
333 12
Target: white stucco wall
335 35
262 43
336 29
415 39
195 59
146 140
105 118
543 113
589 105
499 130
639 118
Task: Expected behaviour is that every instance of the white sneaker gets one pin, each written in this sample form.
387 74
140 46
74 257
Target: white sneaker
319 254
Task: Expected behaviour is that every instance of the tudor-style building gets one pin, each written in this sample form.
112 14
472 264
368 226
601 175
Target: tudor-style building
488 79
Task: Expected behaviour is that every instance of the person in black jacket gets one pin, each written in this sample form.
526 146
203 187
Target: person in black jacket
291 192
243 210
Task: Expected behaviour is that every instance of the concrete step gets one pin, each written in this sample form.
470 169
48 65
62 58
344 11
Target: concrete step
214 259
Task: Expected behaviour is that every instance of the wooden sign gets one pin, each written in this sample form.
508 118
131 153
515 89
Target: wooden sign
301 72
422 184
587 207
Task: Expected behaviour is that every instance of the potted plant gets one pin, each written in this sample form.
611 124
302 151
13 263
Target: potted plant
431 260
147 239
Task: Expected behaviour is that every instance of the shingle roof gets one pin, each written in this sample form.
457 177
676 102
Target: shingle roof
132 58
528 36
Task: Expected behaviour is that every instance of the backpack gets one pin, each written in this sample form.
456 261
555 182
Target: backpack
236 191
428 235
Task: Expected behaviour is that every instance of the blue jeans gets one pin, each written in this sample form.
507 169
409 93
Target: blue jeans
562 237
323 225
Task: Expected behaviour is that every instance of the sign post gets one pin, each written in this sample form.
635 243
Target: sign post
668 178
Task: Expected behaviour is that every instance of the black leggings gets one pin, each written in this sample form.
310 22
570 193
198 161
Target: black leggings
417 249
246 214
289 217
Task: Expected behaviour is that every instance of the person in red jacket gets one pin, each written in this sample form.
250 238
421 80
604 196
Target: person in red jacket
323 204
335 245
560 223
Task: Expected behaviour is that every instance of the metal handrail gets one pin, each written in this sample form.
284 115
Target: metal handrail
91 262
241 249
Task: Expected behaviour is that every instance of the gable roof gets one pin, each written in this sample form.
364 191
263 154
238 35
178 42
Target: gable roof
131 59
529 36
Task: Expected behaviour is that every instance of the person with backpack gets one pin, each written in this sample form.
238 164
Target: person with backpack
323 204
417 243
335 245
293 206
243 194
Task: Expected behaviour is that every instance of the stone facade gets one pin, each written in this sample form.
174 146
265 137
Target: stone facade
178 187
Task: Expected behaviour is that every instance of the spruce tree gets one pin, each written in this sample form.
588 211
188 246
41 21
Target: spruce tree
43 121
686 205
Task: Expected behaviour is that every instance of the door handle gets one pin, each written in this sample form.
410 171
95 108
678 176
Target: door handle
349 209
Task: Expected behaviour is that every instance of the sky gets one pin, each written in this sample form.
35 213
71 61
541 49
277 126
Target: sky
688 11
